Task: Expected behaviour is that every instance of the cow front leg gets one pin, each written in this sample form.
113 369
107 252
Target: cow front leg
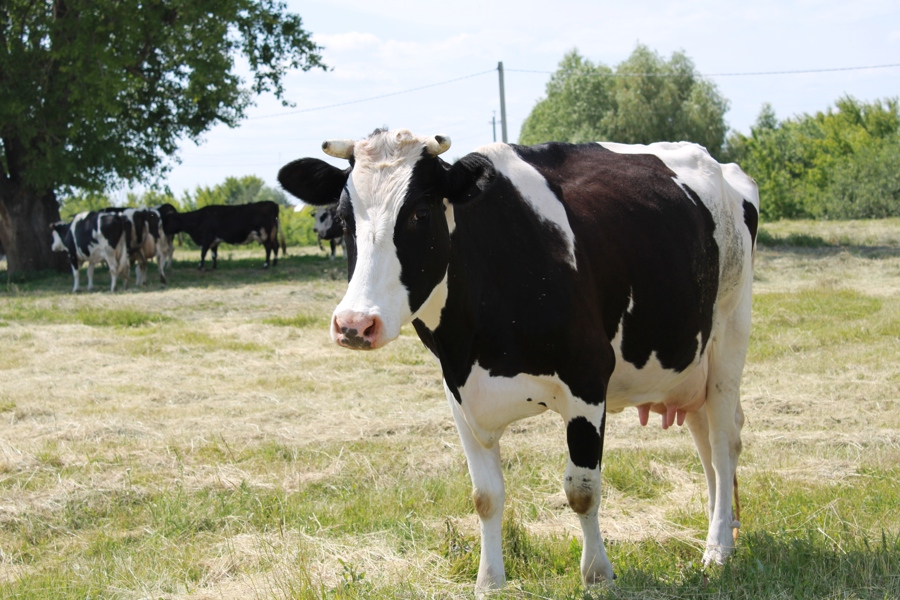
76 275
584 437
203 251
489 495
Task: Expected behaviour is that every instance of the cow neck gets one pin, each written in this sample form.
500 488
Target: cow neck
509 279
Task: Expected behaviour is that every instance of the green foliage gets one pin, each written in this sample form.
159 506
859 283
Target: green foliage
839 164
645 99
96 91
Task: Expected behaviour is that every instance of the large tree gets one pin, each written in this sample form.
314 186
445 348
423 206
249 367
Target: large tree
644 99
95 92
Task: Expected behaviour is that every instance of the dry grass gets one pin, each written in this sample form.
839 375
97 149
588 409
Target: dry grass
208 393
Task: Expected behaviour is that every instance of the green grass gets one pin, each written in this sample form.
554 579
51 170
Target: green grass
792 322
245 453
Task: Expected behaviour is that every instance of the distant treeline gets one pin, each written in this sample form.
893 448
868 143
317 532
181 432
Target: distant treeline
843 163
297 226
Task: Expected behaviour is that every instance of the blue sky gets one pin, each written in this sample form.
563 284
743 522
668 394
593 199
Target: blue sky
385 47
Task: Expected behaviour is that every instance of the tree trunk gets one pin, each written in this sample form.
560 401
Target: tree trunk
25 218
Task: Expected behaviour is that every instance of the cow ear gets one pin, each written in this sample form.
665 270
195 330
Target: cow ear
314 181
469 178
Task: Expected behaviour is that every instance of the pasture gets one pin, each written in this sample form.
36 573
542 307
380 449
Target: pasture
208 440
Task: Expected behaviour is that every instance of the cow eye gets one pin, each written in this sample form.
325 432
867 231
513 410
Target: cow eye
421 214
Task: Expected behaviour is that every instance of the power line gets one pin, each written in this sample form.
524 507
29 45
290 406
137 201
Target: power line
799 72
431 85
415 89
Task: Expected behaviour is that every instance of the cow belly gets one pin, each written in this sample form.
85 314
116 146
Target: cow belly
657 386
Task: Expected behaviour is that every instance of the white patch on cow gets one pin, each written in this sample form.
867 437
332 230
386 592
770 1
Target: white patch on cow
490 403
430 311
653 383
57 244
377 188
451 217
534 189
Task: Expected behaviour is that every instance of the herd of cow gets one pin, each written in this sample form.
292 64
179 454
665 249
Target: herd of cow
123 237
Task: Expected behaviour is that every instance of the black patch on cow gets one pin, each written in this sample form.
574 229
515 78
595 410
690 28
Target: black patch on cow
348 225
585 443
649 240
421 233
751 219
313 180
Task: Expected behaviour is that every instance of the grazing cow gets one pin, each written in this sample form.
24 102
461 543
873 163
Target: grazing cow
93 237
621 276
145 240
328 227
232 224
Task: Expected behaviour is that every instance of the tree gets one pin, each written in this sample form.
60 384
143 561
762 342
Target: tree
645 99
837 164
95 92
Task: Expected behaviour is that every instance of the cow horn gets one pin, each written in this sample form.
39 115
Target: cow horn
438 145
338 148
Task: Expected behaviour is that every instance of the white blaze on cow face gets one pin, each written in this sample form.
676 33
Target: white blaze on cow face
377 304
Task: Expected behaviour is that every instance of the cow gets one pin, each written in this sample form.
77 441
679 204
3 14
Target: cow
93 237
145 240
232 224
169 248
328 226
578 278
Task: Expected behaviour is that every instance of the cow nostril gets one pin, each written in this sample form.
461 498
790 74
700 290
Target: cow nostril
372 330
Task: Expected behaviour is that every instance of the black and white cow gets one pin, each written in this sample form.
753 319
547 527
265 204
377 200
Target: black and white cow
582 279
328 227
169 248
145 240
232 224
93 237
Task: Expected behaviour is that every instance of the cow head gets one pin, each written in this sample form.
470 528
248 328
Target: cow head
58 232
395 202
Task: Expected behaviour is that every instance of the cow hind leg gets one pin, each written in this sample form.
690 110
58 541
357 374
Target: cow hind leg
581 483
725 418
489 495
90 275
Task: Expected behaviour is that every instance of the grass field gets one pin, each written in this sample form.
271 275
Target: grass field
207 440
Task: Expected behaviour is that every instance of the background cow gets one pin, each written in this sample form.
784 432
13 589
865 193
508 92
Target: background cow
93 237
232 224
145 240
328 227
621 276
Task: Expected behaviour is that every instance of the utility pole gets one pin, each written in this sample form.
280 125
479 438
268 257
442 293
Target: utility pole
502 102
493 123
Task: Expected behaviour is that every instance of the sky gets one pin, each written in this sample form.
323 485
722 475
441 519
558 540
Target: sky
431 67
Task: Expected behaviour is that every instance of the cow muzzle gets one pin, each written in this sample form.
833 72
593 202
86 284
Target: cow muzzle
358 331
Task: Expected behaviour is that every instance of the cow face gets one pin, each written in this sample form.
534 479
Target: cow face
324 220
58 232
396 205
